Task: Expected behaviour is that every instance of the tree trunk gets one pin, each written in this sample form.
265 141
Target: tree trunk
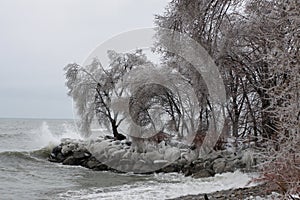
116 134
114 128
267 120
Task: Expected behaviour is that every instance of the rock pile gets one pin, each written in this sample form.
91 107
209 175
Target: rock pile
120 156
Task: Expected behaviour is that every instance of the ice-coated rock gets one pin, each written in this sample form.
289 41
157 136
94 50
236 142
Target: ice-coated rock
135 156
153 155
162 145
219 165
98 147
118 154
160 161
111 150
189 156
180 145
172 154
127 155
68 148
101 154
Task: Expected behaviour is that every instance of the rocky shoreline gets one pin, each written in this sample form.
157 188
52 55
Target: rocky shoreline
258 192
106 154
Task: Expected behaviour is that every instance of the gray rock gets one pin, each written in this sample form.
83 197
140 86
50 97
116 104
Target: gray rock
71 161
154 155
229 167
204 173
190 156
101 167
172 154
127 155
135 156
118 154
92 163
67 149
139 166
98 147
239 164
110 151
211 156
173 167
219 165
125 162
125 165
81 154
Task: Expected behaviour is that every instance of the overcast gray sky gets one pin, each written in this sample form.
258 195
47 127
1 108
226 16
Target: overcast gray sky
39 37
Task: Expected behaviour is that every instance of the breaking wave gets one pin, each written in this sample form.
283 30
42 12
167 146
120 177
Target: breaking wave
164 186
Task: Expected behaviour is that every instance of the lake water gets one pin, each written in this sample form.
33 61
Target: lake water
25 172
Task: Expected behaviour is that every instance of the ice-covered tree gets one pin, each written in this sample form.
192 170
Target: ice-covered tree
92 88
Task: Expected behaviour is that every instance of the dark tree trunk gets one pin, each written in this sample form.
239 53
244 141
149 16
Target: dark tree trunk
114 128
116 134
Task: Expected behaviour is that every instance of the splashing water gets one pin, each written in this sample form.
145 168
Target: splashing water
46 137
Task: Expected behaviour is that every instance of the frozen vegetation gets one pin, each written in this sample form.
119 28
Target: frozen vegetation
255 45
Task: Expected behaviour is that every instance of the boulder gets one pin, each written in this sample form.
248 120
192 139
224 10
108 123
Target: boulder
172 154
56 150
154 155
239 164
101 167
189 156
219 165
126 162
211 156
173 167
135 156
118 154
204 173
180 145
71 161
138 167
81 154
92 163
98 147
127 155
56 158
67 149
229 167
110 151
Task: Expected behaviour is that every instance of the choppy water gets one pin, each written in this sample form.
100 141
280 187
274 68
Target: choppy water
25 172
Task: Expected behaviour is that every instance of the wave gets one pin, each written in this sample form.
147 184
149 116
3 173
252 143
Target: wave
164 186
41 154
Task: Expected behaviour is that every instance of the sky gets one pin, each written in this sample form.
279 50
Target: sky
38 38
